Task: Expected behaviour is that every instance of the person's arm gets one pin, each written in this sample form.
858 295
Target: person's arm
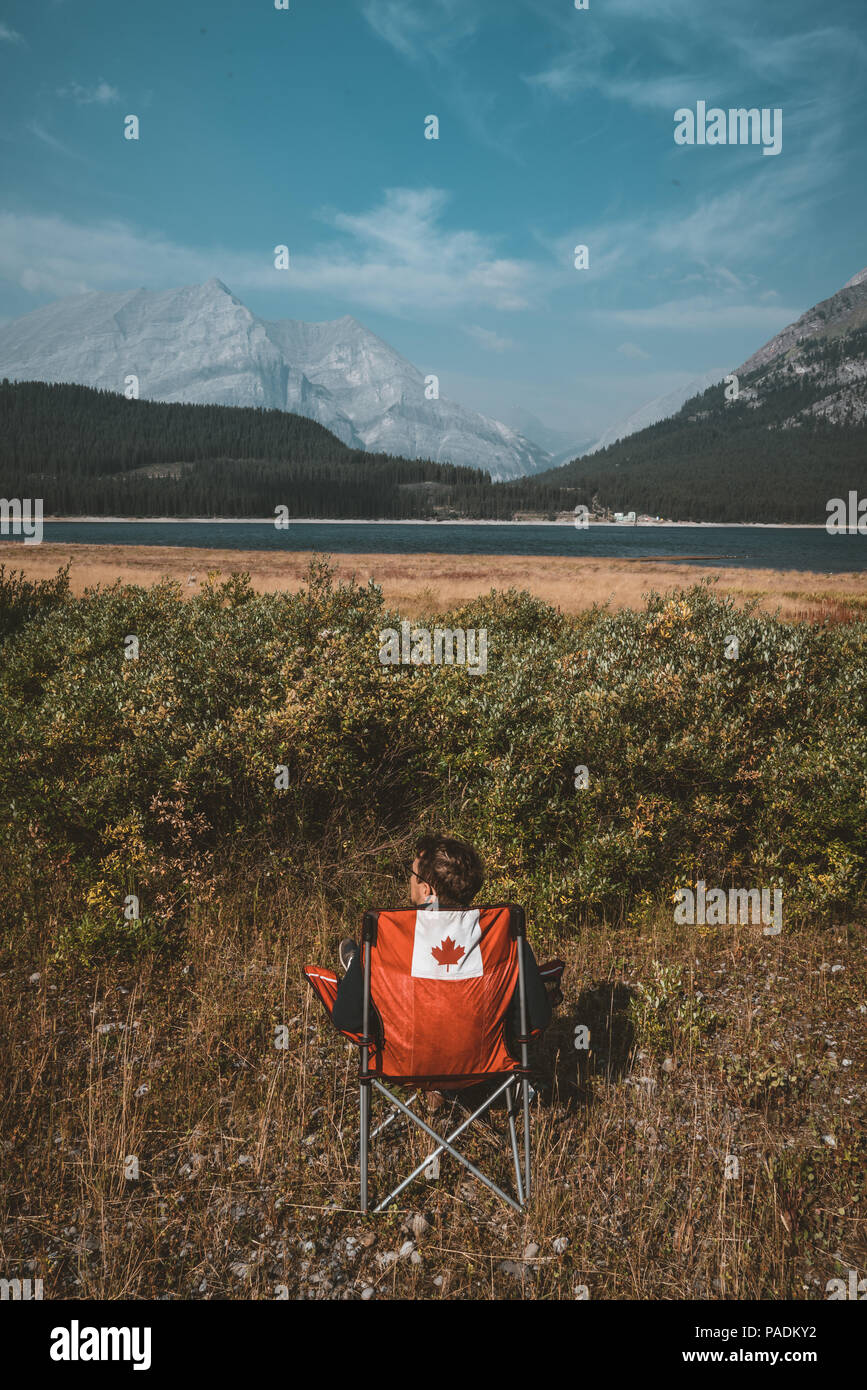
539 1009
538 1004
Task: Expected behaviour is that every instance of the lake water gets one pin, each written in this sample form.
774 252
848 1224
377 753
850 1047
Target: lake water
729 546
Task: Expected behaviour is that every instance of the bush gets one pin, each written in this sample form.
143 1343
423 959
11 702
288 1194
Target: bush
154 776
23 599
665 1016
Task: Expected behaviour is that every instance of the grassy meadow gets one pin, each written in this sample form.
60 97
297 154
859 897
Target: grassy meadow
573 584
160 897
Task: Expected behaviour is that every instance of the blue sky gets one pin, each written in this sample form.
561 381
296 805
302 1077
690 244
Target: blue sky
306 127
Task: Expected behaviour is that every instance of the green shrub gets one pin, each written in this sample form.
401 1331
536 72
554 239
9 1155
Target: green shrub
665 1016
24 599
152 776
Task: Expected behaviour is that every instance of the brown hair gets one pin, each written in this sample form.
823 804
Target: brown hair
451 867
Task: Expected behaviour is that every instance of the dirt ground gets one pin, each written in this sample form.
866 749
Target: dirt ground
429 581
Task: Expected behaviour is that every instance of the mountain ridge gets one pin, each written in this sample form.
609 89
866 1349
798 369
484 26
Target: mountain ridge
793 436
200 344
841 312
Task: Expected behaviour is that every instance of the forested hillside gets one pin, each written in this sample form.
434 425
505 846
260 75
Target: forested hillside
769 456
83 450
793 438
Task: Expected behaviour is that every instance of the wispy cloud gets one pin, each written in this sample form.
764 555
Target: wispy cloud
784 56
404 258
56 256
744 215
679 11
434 35
8 35
431 29
689 50
396 258
51 141
102 93
401 258
490 341
570 75
703 312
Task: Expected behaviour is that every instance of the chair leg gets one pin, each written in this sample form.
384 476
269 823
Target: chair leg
445 1145
511 1109
395 1115
364 1105
526 1085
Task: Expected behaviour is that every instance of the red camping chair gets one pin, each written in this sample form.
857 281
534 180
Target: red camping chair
438 983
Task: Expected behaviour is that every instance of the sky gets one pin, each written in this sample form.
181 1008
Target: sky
305 127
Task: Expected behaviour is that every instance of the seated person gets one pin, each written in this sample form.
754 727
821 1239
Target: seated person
446 875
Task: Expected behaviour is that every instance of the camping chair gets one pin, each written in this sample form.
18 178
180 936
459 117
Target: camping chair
437 985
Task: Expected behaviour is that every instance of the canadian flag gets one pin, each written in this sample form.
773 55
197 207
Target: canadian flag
447 945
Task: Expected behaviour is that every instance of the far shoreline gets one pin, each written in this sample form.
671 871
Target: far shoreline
463 521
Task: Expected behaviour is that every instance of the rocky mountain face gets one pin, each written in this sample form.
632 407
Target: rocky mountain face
822 353
201 345
826 320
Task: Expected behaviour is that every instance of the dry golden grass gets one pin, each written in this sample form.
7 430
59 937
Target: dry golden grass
417 583
248 1180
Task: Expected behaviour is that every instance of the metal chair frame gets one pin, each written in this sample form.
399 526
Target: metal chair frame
515 1084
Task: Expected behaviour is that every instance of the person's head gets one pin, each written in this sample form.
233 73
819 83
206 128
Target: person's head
447 869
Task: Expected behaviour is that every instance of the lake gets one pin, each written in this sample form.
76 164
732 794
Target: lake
720 546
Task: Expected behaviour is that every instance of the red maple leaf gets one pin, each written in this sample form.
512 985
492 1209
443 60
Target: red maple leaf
447 953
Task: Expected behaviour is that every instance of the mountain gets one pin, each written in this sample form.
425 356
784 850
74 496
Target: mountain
795 436
657 409
200 345
558 443
817 352
843 312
